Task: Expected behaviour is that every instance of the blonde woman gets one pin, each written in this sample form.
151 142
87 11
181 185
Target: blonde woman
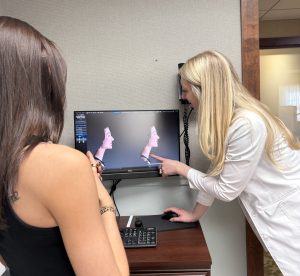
253 157
56 217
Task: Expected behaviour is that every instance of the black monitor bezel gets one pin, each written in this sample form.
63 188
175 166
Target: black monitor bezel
138 172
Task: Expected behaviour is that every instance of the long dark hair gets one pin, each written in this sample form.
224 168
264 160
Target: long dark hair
32 97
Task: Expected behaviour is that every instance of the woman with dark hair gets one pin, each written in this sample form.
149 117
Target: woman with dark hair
50 196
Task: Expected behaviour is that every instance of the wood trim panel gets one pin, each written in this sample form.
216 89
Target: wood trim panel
279 42
250 45
251 79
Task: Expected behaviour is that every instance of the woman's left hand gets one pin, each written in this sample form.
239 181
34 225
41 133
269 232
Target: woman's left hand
104 197
96 167
183 215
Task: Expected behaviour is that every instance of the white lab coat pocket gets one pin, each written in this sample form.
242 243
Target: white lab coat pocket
290 207
286 211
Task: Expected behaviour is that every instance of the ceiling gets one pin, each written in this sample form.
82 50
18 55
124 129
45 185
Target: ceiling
279 9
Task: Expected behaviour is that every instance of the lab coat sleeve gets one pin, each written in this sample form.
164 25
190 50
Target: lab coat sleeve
205 198
245 147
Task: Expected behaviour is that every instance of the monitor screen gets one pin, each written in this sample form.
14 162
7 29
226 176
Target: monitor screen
122 140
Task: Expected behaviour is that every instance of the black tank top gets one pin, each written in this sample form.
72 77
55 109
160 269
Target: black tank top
32 251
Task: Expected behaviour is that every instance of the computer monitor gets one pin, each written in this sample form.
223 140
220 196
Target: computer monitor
122 140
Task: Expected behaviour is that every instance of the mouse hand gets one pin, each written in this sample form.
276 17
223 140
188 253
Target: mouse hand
183 215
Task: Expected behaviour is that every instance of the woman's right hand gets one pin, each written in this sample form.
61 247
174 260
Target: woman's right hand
183 215
171 167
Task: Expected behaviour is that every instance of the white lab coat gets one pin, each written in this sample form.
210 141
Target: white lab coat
269 196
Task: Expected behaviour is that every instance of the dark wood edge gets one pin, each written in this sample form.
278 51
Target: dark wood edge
251 79
279 42
250 46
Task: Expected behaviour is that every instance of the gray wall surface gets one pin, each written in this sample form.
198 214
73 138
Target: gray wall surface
123 54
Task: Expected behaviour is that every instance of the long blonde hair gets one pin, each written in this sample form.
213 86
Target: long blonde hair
220 95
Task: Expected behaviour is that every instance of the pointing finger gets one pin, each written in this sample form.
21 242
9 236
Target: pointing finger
157 157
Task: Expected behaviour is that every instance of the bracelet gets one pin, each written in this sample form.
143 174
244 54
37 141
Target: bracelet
104 209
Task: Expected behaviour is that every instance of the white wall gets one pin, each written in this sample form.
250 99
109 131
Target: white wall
123 54
280 73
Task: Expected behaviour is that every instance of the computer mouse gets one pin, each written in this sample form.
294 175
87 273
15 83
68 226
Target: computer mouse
168 215
138 223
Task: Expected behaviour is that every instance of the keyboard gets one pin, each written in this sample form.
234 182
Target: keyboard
135 237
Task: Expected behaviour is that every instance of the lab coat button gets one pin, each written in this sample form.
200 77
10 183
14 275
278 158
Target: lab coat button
228 156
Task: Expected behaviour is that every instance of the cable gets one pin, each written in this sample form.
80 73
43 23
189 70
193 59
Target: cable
186 135
186 139
112 191
118 213
188 117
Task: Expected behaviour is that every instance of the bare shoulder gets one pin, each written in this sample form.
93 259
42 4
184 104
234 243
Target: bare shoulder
55 165
58 153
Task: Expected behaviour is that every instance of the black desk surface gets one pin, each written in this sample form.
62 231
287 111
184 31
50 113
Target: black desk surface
161 224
